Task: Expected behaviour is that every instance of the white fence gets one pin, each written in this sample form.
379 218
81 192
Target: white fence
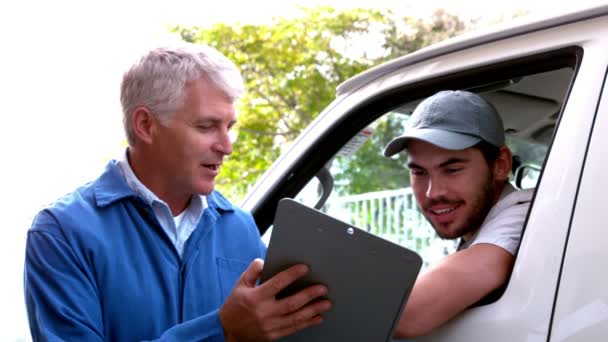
392 214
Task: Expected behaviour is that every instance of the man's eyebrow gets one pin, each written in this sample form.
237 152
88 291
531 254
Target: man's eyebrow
454 160
450 161
412 165
214 120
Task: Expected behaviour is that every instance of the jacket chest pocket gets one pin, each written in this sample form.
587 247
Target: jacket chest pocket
229 271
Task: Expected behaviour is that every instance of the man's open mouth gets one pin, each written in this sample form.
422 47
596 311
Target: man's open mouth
212 167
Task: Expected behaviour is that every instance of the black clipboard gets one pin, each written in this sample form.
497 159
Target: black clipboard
369 278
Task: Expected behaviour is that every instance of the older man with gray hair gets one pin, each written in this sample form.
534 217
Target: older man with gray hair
149 250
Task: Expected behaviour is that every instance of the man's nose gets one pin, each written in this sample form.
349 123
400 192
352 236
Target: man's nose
224 142
436 188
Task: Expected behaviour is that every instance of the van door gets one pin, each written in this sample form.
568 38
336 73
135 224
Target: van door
546 83
581 310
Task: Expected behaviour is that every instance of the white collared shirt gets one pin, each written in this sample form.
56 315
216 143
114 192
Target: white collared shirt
178 228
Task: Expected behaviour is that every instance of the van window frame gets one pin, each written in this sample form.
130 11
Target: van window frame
336 136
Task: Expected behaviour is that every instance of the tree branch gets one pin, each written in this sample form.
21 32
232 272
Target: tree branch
332 58
288 102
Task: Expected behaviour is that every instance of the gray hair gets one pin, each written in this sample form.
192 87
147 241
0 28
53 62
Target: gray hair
158 79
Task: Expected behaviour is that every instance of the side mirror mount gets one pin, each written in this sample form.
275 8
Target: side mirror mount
526 176
325 187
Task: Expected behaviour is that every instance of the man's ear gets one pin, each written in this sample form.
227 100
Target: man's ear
144 124
502 165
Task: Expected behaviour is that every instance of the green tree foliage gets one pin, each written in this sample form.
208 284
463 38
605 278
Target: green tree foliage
405 35
291 69
353 174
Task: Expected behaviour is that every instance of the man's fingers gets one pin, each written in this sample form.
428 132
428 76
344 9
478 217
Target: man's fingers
298 300
253 272
281 280
308 316
310 311
252 313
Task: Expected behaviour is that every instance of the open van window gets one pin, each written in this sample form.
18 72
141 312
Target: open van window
374 193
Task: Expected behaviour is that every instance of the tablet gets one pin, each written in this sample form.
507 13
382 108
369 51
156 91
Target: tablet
369 278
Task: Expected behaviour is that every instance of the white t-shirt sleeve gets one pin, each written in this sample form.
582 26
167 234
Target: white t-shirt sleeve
504 229
505 221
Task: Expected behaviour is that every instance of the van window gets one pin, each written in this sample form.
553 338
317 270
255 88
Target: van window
373 192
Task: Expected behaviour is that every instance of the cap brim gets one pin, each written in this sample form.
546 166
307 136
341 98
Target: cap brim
444 139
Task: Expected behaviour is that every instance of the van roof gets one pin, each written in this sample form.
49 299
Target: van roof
468 40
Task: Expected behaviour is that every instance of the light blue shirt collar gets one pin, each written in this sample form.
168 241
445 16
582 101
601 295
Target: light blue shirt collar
178 229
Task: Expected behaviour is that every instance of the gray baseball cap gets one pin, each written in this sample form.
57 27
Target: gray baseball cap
451 119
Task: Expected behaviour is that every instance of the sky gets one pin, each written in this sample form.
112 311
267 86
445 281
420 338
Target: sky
59 88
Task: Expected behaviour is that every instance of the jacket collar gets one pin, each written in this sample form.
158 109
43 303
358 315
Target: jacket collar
216 200
111 187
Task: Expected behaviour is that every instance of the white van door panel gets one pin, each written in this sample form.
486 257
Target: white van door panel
581 312
523 312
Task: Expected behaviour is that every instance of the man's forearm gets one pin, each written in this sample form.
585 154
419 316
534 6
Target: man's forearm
458 282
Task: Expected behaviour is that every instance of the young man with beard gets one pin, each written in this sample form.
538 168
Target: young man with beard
459 167
149 250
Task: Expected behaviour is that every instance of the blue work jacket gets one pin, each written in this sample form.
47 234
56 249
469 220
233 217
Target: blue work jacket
99 267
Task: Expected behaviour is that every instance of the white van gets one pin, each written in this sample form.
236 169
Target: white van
548 81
